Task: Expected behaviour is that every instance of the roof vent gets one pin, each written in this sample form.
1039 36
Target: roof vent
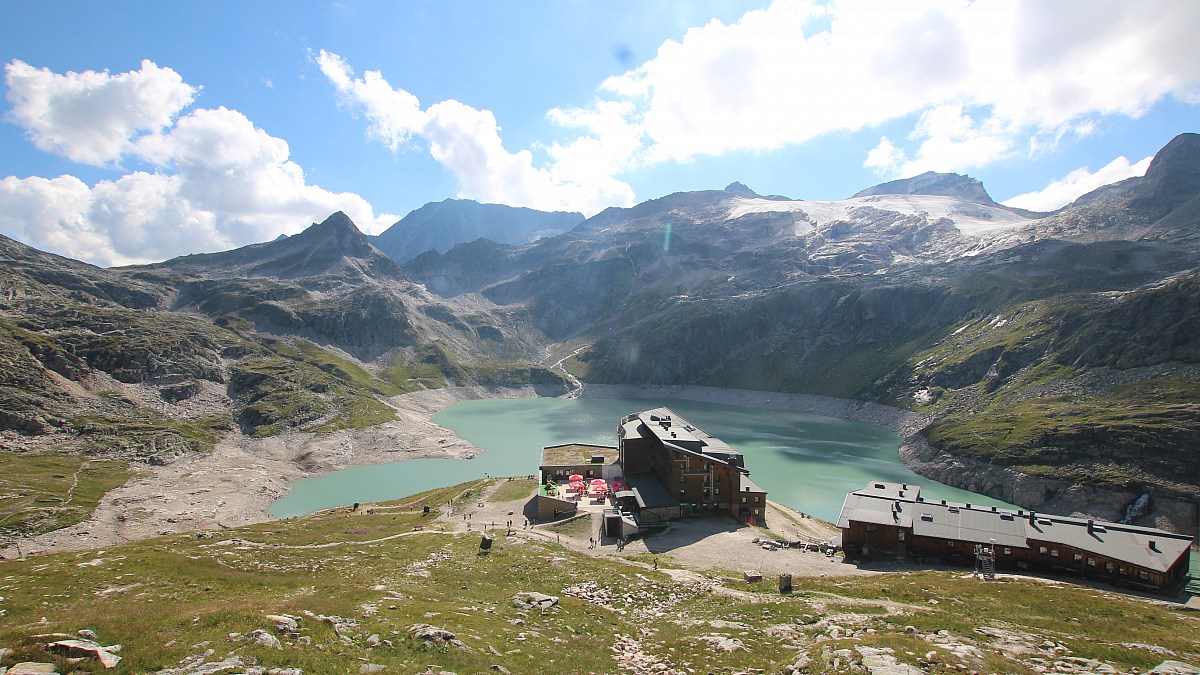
927 517
879 486
953 509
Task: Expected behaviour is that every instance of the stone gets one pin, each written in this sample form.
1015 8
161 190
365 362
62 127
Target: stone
86 633
33 668
284 622
265 639
724 643
1165 668
373 640
372 668
533 600
85 649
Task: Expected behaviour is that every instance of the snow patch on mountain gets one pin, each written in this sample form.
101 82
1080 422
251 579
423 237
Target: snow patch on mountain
972 219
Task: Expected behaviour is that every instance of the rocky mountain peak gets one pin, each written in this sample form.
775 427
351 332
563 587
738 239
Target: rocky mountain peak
439 226
937 184
740 190
1175 171
336 233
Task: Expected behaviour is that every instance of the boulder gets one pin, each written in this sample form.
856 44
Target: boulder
33 668
265 639
1165 668
533 600
85 649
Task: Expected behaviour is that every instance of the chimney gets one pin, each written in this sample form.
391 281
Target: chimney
1092 528
1151 545
1032 517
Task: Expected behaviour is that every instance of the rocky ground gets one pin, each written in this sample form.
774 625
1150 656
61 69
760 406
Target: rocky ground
236 483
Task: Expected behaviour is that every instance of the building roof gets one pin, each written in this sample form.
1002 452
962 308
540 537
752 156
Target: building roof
903 491
576 454
748 485
899 504
1127 543
875 510
980 525
679 434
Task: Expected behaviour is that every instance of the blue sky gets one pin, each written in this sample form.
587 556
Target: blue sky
138 131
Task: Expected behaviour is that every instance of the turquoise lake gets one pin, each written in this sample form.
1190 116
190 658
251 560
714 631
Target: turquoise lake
806 462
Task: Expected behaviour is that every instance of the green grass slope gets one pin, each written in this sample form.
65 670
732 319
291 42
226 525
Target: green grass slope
363 586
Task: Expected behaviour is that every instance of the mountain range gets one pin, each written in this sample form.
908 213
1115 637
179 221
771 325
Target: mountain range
1052 354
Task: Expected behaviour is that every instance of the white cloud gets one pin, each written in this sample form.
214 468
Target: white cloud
1079 182
885 157
986 80
467 142
218 182
395 114
950 140
92 117
982 80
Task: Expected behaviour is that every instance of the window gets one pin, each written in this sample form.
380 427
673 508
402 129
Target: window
1108 567
1007 551
1091 562
1053 553
718 490
1077 558
872 528
755 499
949 544
1142 574
1042 550
743 500
756 512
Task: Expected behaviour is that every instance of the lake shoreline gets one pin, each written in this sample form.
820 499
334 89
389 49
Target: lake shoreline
242 477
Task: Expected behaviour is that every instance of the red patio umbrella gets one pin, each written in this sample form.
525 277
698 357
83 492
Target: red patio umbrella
599 481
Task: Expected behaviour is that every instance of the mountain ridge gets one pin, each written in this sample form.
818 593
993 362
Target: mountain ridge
944 304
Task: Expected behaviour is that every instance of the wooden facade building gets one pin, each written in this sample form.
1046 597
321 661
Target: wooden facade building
702 471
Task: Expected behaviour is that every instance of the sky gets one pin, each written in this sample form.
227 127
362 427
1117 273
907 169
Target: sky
137 131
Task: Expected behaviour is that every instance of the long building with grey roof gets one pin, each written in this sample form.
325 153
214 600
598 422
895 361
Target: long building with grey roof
894 519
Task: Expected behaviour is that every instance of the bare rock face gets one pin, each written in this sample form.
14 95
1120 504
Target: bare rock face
1167 512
